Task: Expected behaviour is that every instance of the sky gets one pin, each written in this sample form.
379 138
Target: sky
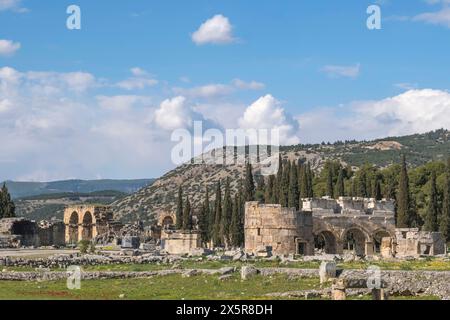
102 101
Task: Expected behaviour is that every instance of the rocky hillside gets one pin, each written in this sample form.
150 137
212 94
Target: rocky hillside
161 196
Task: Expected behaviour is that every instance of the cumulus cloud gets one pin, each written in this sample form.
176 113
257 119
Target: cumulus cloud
337 71
173 114
217 30
206 91
441 17
415 111
14 5
141 79
252 85
267 113
122 102
8 47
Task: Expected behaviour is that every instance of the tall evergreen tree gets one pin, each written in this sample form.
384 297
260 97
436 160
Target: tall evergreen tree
217 217
340 185
431 218
376 190
284 188
204 220
179 213
227 208
268 194
310 176
403 198
330 185
362 184
187 216
293 193
236 223
249 188
304 191
444 222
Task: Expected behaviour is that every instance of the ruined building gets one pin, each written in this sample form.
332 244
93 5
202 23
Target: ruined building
363 226
88 222
19 232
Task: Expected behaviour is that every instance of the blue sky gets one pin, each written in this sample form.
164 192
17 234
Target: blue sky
315 61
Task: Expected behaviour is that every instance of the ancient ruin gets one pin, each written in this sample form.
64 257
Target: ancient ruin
363 226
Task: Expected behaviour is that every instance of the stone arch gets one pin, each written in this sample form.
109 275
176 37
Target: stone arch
378 236
355 239
167 221
87 226
327 241
73 227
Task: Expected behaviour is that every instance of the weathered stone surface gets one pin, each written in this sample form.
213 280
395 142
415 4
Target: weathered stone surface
247 272
327 271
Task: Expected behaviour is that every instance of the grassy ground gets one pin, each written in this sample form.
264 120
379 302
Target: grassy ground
429 264
173 287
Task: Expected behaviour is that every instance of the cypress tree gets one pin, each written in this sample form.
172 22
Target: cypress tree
217 216
179 214
249 184
362 184
187 216
204 220
431 223
377 194
293 193
284 189
304 192
403 198
340 187
227 208
235 230
444 223
269 190
310 176
330 187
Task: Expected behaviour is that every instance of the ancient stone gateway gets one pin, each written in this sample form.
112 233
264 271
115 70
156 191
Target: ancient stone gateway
351 224
277 230
333 226
86 222
166 219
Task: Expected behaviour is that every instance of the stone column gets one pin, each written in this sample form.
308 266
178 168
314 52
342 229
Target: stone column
338 290
369 251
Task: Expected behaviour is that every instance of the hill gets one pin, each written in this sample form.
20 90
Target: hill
27 189
161 195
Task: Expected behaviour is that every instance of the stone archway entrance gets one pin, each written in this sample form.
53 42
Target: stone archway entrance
73 228
355 240
377 239
326 241
167 222
87 227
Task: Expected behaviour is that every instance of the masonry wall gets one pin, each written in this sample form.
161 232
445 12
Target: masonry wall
180 242
279 230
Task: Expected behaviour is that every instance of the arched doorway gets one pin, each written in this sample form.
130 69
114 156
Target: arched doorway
377 239
87 227
355 240
73 228
167 222
326 241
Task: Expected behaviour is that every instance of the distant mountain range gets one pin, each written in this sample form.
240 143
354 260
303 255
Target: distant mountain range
27 189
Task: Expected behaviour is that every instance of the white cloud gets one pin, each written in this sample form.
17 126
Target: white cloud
217 30
415 111
206 91
12 5
141 79
267 113
122 103
173 114
441 17
337 71
8 47
252 85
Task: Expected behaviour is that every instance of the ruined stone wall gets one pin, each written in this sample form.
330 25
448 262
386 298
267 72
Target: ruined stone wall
279 230
412 242
180 242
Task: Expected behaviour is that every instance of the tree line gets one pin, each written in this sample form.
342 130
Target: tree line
421 194
7 207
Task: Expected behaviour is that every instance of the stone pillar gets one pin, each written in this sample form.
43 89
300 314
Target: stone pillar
339 247
80 232
369 250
